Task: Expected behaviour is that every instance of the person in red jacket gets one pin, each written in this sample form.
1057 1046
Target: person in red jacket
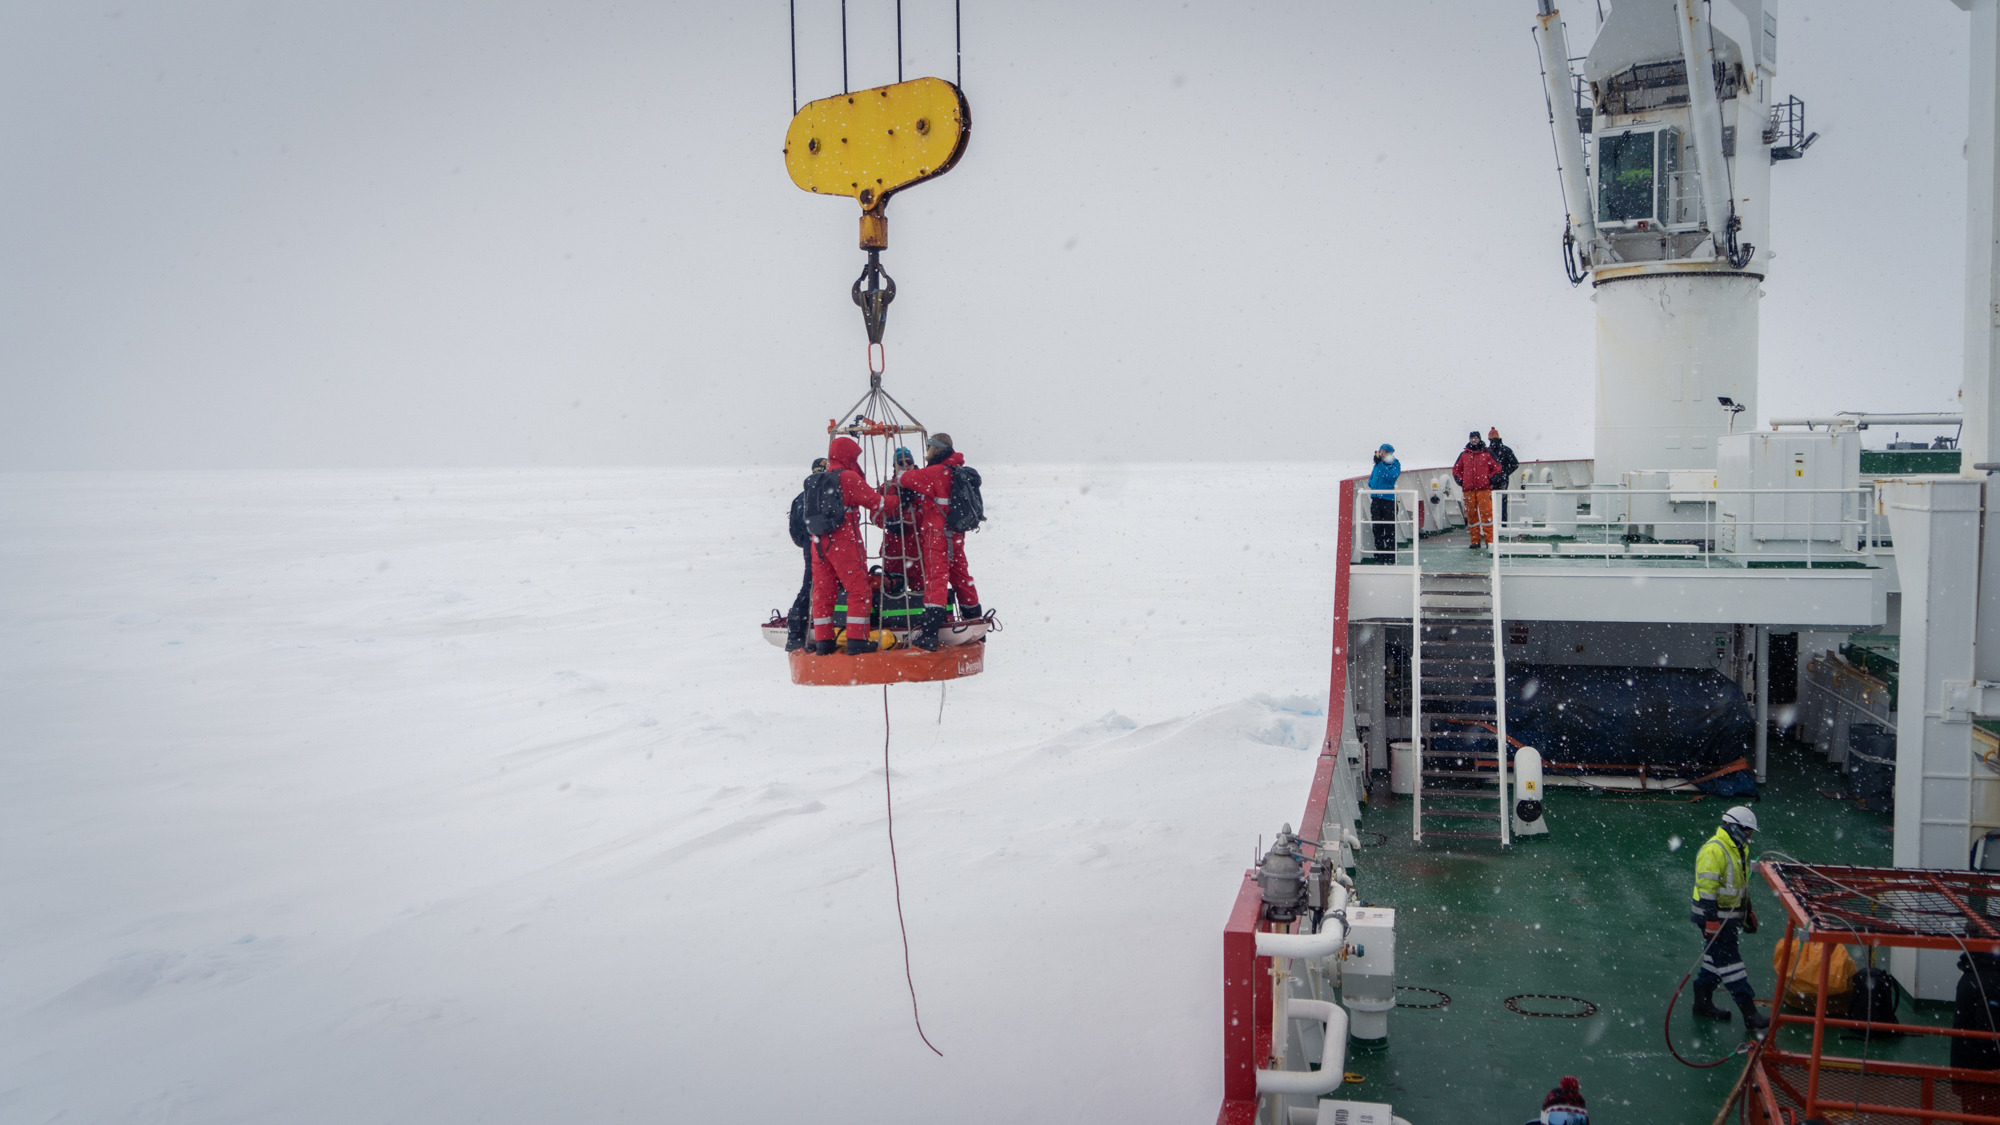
1475 471
900 521
943 549
840 558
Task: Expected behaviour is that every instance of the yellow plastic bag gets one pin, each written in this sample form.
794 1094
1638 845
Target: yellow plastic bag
1802 983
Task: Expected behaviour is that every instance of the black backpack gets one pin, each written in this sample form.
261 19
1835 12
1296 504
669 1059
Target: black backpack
799 534
825 509
1874 997
968 508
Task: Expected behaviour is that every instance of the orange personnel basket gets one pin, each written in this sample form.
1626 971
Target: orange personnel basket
879 424
896 666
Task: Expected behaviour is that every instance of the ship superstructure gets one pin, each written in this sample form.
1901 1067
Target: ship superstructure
1651 619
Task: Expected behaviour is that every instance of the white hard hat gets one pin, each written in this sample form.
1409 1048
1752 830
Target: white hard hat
1742 817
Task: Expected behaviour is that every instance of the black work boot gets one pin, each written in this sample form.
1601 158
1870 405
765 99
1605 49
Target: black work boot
825 648
1704 1005
969 612
857 646
795 635
926 636
1753 1020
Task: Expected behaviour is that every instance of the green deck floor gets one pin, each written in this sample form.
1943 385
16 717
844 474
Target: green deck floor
1597 910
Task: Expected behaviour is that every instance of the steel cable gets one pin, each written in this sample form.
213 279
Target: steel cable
889 804
1667 1026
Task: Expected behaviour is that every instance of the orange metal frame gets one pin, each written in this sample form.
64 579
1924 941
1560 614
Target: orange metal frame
896 666
1827 924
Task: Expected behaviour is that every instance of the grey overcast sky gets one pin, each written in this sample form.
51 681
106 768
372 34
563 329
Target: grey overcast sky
445 232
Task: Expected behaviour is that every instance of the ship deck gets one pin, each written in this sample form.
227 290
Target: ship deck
1636 588
1597 910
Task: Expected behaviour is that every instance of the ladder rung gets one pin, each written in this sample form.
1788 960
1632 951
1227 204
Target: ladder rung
1460 834
1464 814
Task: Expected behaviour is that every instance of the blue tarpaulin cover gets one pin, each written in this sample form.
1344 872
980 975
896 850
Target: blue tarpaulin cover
1675 721
1682 720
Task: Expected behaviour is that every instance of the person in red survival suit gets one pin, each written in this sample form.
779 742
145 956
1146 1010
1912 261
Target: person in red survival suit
899 521
840 557
943 550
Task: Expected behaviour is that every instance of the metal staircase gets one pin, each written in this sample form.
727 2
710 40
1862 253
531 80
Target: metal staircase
1461 784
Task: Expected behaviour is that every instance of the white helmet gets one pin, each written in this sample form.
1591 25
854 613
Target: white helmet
1741 817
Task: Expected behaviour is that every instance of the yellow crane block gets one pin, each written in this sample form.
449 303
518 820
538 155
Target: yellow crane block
871 144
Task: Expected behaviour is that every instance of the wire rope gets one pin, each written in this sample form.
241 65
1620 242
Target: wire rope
843 46
1570 269
895 874
1667 1026
1725 241
792 9
899 40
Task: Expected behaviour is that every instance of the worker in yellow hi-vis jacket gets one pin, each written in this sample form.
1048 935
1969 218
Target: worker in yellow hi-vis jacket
1722 908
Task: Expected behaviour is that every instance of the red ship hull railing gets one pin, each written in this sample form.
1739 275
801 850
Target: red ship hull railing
1246 978
1894 908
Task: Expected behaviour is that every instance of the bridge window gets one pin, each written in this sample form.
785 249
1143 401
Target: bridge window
1625 177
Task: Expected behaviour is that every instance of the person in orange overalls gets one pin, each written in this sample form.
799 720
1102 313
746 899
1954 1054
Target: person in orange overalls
1475 471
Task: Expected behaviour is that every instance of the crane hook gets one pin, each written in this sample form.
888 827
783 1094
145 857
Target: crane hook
874 300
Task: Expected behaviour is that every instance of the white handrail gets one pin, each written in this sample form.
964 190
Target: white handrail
1817 538
1416 634
1860 421
1500 696
1416 669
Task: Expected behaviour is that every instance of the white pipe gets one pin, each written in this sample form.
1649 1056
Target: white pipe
1310 947
1874 420
1763 741
1562 117
1332 1056
1705 119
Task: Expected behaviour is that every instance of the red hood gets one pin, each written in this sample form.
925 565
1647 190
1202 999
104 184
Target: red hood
956 459
844 453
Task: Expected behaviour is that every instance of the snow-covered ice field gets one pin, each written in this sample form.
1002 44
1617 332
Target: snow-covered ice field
451 796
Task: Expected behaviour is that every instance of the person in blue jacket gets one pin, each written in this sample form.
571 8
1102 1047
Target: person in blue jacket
1382 502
